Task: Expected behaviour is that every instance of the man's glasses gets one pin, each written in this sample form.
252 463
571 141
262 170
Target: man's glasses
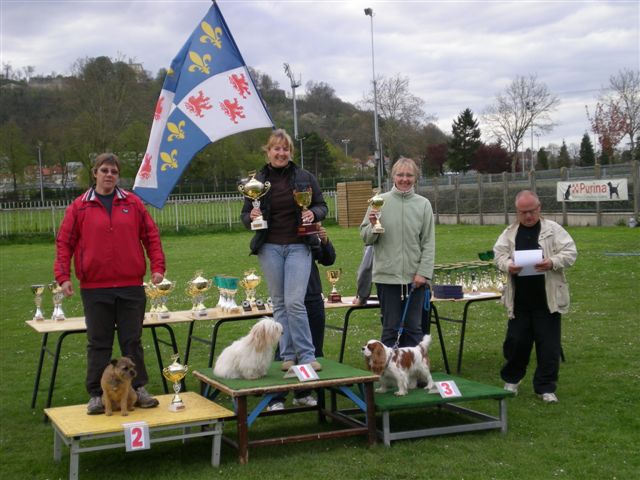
529 212
106 171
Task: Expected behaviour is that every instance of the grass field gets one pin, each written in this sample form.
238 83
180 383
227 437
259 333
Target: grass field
591 433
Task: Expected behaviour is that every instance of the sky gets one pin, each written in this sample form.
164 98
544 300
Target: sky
456 54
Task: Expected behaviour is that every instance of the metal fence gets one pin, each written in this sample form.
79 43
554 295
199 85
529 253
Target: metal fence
470 198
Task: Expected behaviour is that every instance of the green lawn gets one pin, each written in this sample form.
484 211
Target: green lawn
591 433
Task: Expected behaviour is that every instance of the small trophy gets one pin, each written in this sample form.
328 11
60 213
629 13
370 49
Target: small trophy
164 288
175 373
152 294
38 290
196 288
254 190
58 296
376 202
334 276
303 199
250 282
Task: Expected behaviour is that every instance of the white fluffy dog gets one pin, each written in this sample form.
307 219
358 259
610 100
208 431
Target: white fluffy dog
403 367
249 357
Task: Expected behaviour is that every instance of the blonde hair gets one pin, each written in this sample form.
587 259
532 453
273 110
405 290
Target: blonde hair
279 136
405 162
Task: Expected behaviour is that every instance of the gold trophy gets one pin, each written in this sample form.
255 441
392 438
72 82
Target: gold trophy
164 288
250 282
254 190
175 373
303 199
153 295
334 276
196 288
38 290
56 289
376 202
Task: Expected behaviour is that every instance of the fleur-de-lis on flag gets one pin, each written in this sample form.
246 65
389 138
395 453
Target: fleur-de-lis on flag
177 131
211 34
200 62
169 161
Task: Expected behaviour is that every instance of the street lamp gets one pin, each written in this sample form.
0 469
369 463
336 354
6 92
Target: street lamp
378 153
531 107
295 84
39 147
346 141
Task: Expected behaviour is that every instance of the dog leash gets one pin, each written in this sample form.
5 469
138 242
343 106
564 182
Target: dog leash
426 306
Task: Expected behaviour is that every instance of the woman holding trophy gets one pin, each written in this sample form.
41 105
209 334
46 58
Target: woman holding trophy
403 253
282 247
107 231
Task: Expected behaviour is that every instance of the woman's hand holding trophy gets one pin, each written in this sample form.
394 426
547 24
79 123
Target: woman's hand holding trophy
376 202
254 189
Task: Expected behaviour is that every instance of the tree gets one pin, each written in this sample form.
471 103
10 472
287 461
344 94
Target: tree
491 159
14 153
543 159
464 142
626 89
587 155
564 160
434 159
610 124
317 158
525 102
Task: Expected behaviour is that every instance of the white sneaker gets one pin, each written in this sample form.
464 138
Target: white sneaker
307 401
549 398
275 406
512 387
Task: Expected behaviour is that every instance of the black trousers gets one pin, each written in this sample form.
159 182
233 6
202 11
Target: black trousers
104 309
539 327
392 298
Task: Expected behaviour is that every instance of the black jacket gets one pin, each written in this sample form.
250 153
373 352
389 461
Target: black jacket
299 179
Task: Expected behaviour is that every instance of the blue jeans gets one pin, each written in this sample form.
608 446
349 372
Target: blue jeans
286 269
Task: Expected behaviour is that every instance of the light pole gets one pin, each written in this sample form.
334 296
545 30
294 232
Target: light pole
378 152
39 147
346 141
295 85
531 107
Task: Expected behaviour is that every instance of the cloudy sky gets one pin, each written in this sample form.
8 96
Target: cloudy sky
456 54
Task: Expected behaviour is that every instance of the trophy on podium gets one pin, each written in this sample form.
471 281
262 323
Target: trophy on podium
376 202
254 190
58 296
38 290
250 282
303 199
333 276
175 373
164 288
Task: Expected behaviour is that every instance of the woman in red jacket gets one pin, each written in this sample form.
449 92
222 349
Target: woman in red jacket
107 231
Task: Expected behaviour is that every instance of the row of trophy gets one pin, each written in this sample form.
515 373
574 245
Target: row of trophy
253 189
474 276
57 295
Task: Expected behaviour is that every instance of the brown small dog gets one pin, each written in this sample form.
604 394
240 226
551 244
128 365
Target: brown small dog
117 392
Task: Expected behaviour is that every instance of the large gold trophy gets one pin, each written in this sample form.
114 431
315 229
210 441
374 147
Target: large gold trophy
250 282
58 296
175 373
196 288
165 287
254 190
376 202
333 276
303 199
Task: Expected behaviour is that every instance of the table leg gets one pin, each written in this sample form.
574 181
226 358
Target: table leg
54 370
188 347
57 445
243 430
371 413
215 444
433 313
159 358
74 460
43 348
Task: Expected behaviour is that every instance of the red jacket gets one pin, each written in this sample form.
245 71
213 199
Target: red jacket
107 250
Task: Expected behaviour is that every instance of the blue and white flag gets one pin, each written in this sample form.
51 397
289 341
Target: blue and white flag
207 95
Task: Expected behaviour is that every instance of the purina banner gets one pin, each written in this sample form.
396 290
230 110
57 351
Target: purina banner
593 190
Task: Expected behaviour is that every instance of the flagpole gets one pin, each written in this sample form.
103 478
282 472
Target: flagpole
378 153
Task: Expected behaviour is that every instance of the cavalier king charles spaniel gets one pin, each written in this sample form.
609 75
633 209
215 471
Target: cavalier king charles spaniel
402 367
249 357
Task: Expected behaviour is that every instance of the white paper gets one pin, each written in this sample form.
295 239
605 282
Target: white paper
527 259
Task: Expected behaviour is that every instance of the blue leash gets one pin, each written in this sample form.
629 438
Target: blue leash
427 306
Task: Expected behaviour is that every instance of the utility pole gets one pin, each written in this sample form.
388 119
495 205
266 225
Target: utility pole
39 147
295 84
378 154
346 141
531 107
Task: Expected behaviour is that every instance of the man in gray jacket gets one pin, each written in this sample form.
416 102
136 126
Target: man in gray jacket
534 302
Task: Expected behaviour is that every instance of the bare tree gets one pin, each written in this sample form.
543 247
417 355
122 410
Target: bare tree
524 103
626 90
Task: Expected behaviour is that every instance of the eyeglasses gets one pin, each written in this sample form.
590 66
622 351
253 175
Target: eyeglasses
529 212
106 171
406 175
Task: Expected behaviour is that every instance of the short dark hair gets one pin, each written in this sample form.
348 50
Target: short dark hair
108 158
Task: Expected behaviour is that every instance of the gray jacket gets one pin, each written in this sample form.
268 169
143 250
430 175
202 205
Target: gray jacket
557 245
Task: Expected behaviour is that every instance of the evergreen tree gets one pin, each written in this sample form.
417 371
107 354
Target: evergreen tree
563 157
587 155
465 142
543 159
